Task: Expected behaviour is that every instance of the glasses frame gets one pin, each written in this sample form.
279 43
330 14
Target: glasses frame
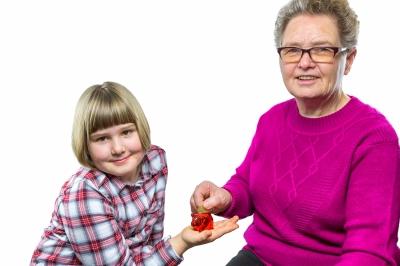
336 51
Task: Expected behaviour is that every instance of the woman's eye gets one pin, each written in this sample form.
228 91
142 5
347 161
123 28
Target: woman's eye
293 50
323 50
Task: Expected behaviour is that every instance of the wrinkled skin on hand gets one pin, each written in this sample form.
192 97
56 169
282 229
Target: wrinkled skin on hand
202 221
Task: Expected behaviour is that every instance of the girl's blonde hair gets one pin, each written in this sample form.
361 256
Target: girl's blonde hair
103 106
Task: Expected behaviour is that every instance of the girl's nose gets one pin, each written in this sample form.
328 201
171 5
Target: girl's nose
117 147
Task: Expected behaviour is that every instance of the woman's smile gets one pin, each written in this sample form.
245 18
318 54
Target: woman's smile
306 80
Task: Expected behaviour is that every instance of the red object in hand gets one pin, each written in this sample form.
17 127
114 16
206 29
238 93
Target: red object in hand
202 221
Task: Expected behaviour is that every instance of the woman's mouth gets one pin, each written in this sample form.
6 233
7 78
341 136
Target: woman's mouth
306 80
307 77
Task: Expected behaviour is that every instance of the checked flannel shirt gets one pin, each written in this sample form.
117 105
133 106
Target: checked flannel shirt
99 220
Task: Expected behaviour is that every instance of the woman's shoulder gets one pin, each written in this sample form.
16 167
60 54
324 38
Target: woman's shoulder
278 111
282 106
373 124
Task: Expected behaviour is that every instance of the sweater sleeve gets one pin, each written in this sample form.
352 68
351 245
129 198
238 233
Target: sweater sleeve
373 205
238 184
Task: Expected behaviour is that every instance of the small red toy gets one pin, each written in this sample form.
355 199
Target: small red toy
202 220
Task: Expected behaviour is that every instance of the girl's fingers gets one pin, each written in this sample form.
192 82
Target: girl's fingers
223 227
226 222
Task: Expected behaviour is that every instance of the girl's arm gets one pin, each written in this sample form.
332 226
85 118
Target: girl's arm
96 237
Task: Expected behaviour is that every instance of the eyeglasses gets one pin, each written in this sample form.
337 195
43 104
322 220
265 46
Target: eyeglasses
317 54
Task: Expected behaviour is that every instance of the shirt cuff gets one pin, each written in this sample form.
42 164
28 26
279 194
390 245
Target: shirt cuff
171 250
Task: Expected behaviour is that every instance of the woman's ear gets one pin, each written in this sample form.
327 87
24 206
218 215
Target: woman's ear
350 59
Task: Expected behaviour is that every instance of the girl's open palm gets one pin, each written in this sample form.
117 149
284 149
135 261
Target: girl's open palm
194 238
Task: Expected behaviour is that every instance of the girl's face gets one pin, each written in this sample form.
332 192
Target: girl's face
117 151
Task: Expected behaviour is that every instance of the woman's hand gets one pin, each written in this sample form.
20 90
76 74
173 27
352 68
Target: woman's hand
211 197
189 238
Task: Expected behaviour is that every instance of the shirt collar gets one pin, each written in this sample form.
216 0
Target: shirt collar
147 171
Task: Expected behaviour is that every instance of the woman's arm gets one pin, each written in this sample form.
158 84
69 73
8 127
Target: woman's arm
373 206
238 184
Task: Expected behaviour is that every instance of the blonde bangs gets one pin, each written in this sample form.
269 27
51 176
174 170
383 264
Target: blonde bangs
104 112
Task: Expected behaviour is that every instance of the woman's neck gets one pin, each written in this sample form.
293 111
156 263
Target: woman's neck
319 107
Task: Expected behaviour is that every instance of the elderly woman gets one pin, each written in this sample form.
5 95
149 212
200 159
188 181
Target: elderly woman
322 175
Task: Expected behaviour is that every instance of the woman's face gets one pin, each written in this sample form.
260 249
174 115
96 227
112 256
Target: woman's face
307 79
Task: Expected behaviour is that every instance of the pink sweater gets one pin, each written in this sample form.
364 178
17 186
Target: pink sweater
322 191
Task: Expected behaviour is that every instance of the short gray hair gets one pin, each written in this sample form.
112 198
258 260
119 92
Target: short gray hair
347 21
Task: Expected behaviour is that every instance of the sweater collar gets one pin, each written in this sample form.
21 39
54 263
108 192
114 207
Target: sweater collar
322 124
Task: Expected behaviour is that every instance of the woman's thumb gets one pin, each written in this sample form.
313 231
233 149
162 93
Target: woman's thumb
211 203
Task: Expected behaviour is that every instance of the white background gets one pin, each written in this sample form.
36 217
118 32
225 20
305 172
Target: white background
204 71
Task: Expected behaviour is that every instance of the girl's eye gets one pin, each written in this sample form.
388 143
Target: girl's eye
127 132
101 139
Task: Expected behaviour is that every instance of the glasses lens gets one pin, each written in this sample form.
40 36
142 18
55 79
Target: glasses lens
291 54
322 54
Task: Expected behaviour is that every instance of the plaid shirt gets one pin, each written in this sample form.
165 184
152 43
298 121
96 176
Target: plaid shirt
99 220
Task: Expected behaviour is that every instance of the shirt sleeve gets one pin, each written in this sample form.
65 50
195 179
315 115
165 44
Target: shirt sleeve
96 238
158 228
372 206
160 157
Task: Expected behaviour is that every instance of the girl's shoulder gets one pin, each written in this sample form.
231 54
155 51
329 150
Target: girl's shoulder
84 178
154 160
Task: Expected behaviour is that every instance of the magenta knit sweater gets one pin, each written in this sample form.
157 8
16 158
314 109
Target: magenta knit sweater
322 191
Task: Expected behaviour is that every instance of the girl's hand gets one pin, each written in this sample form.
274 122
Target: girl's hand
189 238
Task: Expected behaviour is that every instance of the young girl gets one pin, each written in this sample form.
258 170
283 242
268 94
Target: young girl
111 211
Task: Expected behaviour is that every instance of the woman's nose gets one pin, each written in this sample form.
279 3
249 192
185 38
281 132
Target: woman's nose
306 61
